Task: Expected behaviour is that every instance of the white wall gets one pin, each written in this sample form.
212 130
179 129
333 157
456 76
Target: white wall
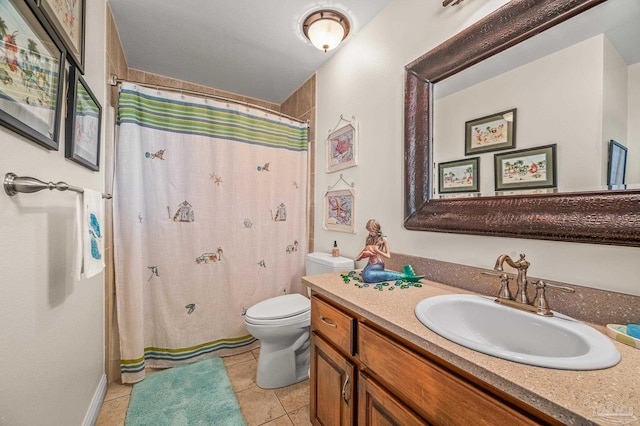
365 79
615 103
553 107
633 137
51 326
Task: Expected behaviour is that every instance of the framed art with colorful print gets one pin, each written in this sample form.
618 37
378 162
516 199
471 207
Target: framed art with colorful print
339 210
67 18
526 169
341 148
459 176
32 72
82 131
494 132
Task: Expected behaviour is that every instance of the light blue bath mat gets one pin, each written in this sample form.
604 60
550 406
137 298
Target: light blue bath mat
196 394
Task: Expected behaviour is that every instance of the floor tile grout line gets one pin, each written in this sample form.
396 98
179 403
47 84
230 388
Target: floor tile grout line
111 398
252 387
115 399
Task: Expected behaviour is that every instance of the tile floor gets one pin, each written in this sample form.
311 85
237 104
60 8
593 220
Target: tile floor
288 406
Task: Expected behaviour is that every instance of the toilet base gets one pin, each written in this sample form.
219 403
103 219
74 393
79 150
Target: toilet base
283 366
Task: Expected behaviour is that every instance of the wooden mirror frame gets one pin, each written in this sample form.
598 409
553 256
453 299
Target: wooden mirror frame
607 217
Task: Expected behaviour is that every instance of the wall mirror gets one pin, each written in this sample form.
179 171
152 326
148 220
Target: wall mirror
570 212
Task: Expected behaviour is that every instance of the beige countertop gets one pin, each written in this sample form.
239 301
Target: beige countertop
608 396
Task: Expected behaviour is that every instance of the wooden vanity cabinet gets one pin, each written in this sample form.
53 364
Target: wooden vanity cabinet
396 384
333 368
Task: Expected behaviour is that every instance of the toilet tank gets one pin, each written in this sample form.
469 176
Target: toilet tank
323 263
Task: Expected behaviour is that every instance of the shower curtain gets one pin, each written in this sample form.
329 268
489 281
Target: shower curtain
209 219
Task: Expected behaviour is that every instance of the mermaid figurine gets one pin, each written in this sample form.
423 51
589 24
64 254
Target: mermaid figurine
376 248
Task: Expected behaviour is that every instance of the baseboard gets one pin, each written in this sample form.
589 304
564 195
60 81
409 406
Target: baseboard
91 417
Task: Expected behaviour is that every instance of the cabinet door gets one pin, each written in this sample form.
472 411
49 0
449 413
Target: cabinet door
377 407
332 385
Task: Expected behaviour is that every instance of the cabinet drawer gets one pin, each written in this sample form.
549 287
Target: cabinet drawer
334 325
433 392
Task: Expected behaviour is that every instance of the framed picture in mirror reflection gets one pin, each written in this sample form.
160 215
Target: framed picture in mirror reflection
526 169
493 132
459 176
617 165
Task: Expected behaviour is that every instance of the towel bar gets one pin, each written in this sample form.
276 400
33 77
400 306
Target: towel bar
14 184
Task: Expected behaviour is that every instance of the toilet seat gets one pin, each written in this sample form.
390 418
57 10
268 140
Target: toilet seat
280 310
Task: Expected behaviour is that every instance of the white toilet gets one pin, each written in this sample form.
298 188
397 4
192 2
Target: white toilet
282 325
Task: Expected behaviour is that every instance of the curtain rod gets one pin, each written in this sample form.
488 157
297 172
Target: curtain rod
114 81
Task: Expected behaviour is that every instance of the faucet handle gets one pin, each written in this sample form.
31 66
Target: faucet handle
522 262
504 292
541 302
542 284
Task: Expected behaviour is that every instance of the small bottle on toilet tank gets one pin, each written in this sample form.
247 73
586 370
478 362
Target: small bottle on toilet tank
335 251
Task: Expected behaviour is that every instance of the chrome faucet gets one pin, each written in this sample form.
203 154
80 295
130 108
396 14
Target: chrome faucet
521 280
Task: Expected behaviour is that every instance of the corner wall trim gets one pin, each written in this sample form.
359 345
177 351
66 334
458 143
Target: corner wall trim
91 417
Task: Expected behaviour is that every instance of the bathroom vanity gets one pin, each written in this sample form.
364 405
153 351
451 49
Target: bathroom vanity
373 362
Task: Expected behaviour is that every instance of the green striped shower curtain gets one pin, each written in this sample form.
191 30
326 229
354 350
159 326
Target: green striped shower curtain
209 219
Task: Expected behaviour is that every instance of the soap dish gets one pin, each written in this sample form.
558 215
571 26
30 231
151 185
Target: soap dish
619 333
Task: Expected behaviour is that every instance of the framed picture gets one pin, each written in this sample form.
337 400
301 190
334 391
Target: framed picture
339 211
494 132
32 74
526 169
617 165
341 148
84 116
67 17
459 176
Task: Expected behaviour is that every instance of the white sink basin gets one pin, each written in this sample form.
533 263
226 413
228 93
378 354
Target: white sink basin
483 325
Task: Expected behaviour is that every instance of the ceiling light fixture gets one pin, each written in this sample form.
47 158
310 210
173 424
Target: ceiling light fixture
326 29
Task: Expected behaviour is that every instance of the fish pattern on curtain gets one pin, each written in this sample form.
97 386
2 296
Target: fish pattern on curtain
209 219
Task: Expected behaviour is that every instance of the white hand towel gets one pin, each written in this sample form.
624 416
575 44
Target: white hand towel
77 261
90 232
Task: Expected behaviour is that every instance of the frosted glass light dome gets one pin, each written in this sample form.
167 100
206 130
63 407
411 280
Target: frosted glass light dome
326 29
326 34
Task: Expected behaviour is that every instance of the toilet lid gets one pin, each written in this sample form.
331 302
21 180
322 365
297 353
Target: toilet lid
300 320
279 307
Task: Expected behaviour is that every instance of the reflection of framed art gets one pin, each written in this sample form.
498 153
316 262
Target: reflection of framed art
459 176
491 133
617 165
67 18
32 74
526 169
339 211
83 123
341 148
